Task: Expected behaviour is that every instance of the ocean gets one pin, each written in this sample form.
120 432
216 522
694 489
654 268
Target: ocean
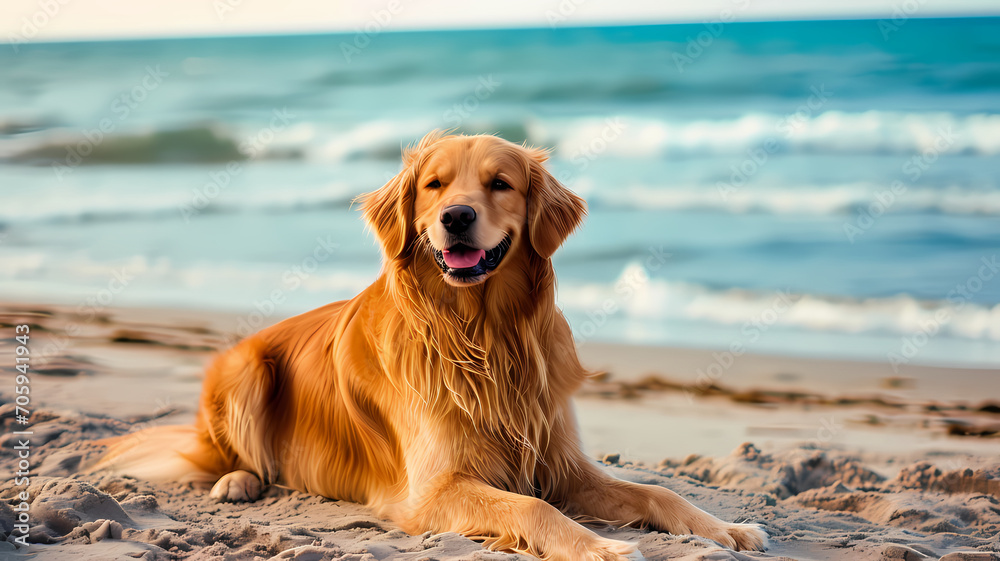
826 189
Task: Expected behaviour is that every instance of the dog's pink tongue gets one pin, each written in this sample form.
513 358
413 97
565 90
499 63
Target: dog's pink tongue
462 258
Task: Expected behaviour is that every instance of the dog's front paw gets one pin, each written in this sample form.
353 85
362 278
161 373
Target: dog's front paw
237 486
741 537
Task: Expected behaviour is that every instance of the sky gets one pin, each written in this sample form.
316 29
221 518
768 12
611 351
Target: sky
57 20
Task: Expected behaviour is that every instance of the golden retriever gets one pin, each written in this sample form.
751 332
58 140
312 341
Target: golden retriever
439 396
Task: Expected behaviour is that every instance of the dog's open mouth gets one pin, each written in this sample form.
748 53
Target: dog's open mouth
465 263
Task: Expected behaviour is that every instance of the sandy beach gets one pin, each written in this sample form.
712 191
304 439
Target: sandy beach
839 461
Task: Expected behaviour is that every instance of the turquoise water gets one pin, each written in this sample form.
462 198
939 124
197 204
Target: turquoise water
800 188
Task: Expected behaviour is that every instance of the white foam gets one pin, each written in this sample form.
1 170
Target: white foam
158 282
826 132
72 200
805 199
635 136
367 137
662 300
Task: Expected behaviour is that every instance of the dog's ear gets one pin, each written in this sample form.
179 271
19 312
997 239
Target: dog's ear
389 212
553 210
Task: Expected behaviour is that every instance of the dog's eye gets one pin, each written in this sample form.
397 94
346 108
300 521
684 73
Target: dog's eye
434 184
500 185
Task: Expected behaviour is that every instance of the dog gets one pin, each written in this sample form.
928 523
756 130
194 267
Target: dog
440 395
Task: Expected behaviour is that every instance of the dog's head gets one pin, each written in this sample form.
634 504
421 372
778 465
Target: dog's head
472 203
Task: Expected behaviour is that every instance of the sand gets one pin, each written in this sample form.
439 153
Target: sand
839 461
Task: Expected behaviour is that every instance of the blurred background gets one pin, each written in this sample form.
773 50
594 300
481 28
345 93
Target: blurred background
823 188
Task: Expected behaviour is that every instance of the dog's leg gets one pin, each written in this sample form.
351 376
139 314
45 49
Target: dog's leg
237 420
236 486
504 521
589 492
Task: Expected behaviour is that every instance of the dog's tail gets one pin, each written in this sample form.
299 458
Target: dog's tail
171 453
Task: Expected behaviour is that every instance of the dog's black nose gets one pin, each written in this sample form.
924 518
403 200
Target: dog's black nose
457 218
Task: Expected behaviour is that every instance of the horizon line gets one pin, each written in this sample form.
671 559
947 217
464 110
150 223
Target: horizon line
527 27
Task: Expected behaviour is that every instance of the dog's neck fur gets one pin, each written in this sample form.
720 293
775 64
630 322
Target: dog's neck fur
476 352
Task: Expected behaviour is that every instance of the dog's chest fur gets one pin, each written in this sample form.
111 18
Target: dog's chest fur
489 409
476 364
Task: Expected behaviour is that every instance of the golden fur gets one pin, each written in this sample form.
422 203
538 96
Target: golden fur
442 403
